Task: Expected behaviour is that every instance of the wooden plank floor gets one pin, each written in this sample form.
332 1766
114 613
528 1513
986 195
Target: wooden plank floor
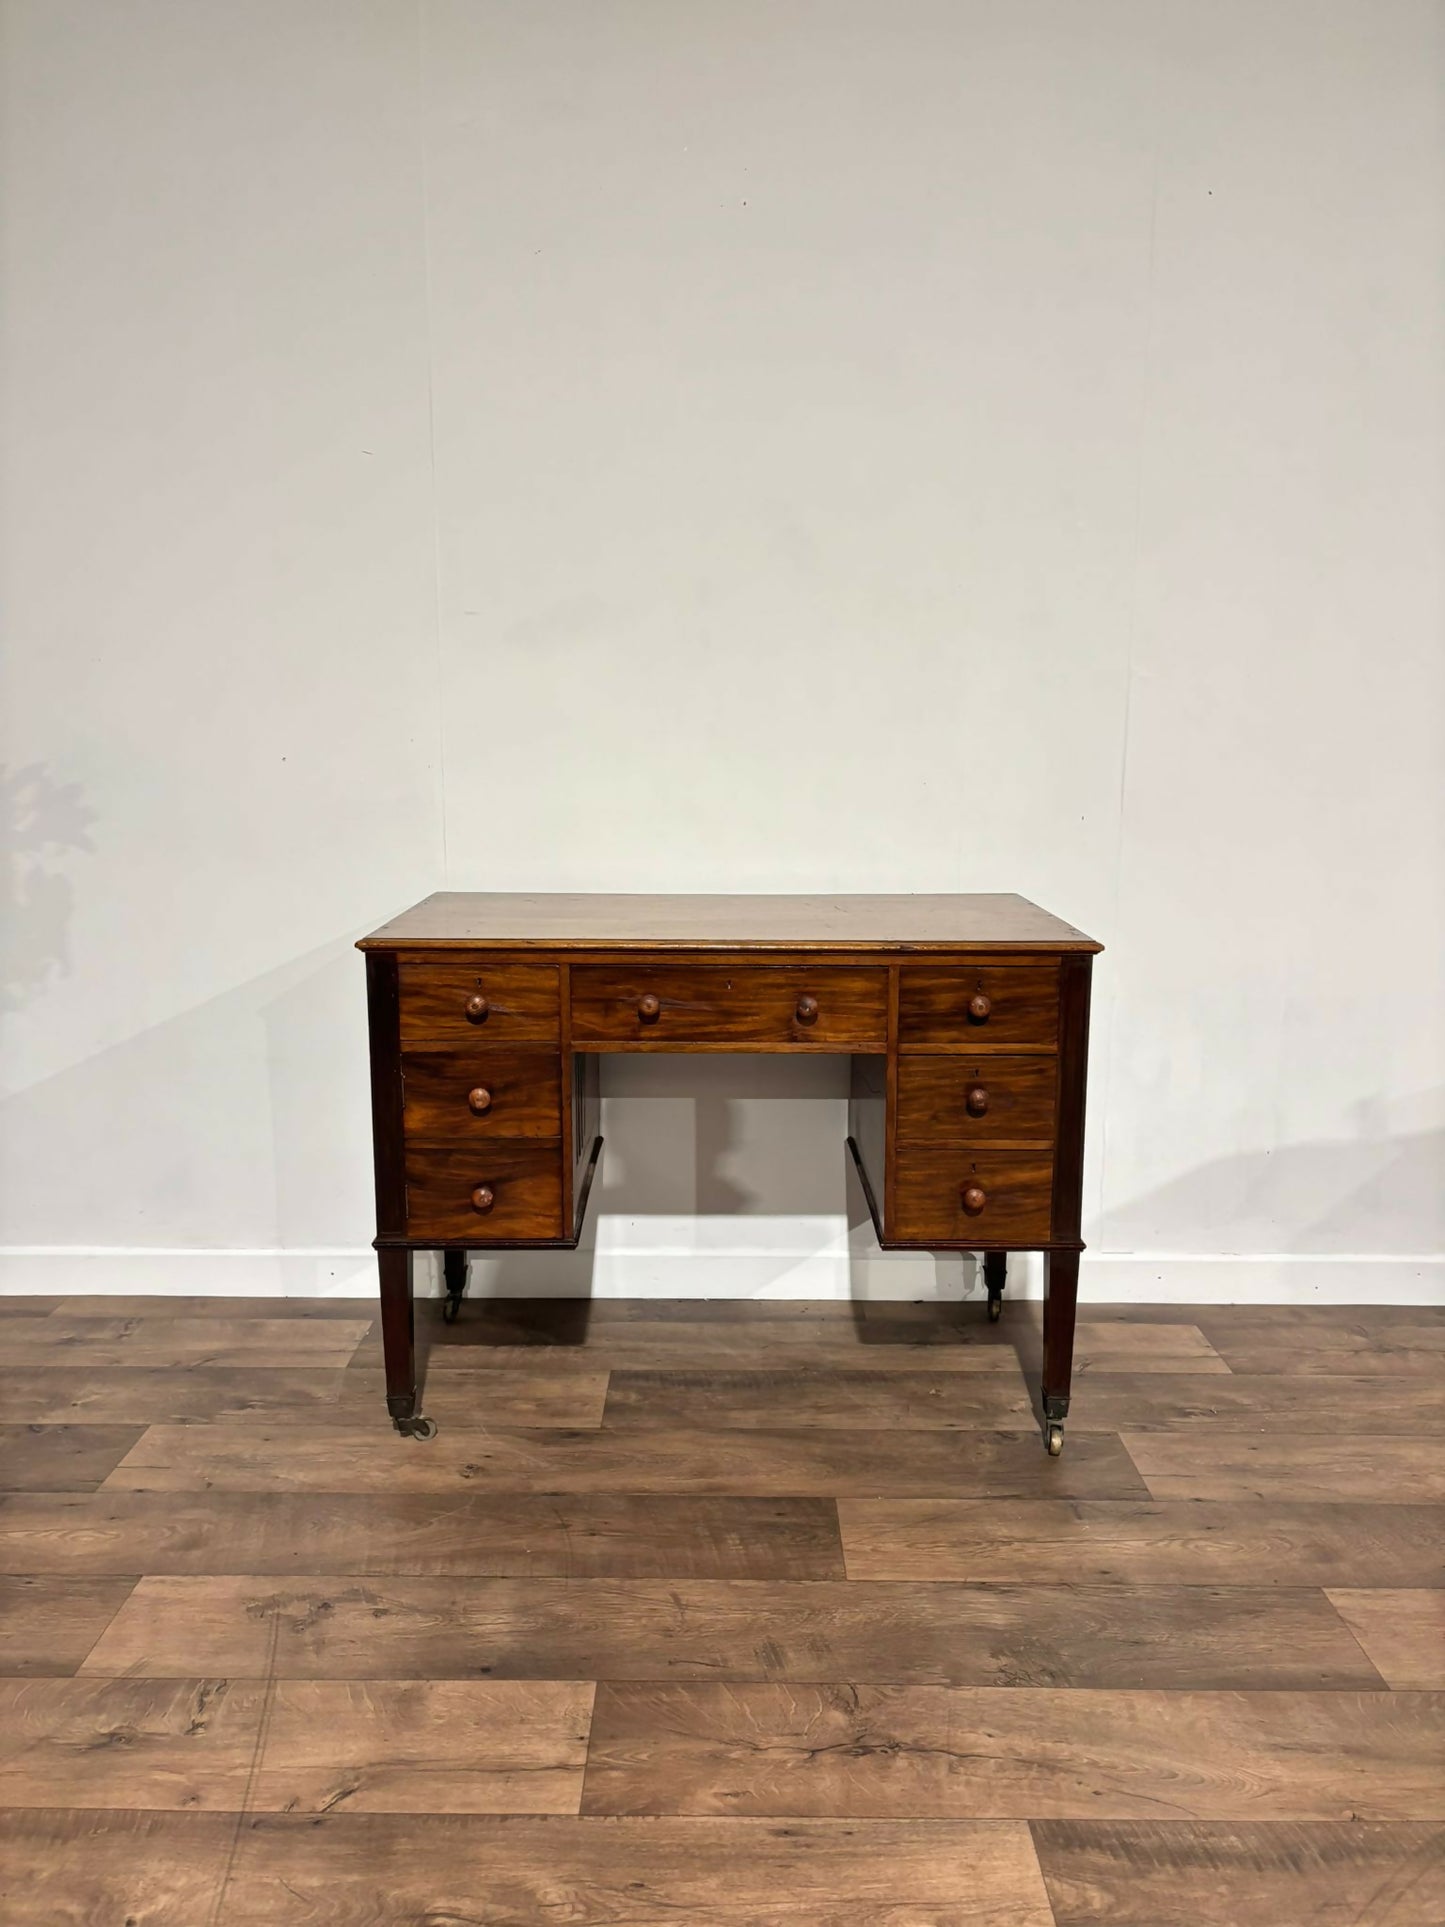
726 1614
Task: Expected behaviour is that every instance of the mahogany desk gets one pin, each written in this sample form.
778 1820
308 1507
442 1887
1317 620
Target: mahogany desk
966 1017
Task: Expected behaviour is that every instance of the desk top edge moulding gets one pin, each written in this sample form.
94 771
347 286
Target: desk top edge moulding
966 1020
462 919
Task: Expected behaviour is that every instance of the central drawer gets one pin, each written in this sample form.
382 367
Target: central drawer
769 1008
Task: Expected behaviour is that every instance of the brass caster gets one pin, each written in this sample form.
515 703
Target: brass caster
1053 1438
995 1310
416 1428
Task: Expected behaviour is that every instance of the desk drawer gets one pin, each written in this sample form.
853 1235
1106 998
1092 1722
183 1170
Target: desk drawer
763 1009
987 1005
506 1002
1011 1195
960 1099
474 1095
447 1187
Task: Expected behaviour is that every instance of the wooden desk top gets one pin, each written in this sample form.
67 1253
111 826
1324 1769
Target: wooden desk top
454 919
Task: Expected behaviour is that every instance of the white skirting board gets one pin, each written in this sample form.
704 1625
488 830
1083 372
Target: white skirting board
777 1258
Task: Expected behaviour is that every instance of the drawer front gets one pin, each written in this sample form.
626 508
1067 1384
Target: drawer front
446 1189
474 1095
977 1100
1010 1195
826 1009
503 1003
989 1004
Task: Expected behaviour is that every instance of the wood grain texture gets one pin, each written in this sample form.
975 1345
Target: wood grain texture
747 1009
1014 1100
1194 1543
525 920
524 1176
524 1397
930 1401
136 1743
61 1458
1352 1466
250 1342
1403 1632
424 1746
440 1628
86 1305
819 1463
128 1397
521 1002
524 1091
943 1753
48 1623
462 1533
62 1868
1353 1873
932 1182
889 1604
470 1346
361 1870
106 1396
934 1007
1215 1402
1366 1347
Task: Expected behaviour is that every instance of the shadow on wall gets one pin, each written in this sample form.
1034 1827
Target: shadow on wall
42 823
1376 1194
242 1122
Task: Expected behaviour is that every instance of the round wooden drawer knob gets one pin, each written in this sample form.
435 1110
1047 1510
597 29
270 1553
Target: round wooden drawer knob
807 1010
979 1006
477 1008
976 1101
480 1100
649 1008
974 1199
483 1198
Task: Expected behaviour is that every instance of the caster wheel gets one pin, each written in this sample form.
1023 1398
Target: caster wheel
416 1428
451 1310
1053 1438
995 1310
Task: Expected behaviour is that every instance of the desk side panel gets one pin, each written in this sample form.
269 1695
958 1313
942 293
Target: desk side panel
383 1012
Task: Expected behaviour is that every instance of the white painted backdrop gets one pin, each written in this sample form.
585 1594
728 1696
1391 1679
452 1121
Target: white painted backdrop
844 444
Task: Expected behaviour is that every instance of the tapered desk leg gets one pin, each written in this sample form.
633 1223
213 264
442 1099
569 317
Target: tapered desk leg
398 1344
454 1275
995 1276
1061 1294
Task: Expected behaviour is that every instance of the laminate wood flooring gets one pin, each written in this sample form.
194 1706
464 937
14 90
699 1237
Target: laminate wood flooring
731 1614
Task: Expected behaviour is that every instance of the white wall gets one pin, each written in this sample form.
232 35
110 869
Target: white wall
612 444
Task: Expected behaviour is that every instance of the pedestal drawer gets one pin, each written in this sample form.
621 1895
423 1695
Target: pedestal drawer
500 1191
988 1005
505 1003
949 1195
982 1100
472 1096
